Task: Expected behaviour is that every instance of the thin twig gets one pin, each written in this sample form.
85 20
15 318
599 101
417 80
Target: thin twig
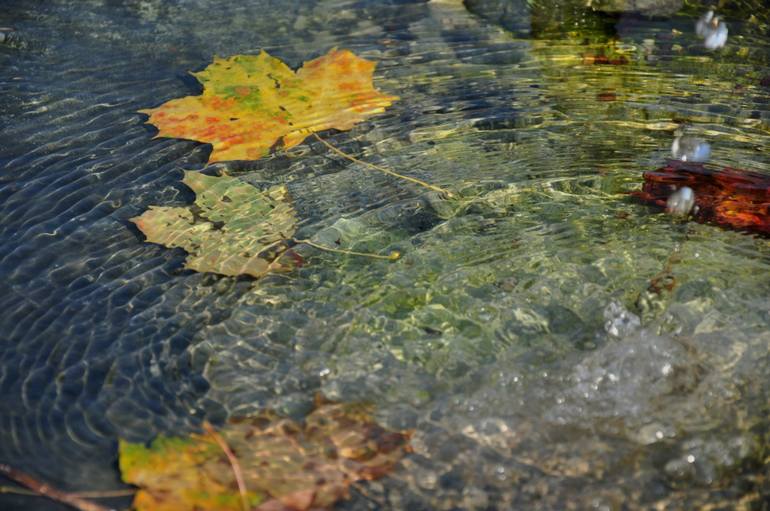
107 494
234 464
18 491
383 169
44 490
96 494
390 257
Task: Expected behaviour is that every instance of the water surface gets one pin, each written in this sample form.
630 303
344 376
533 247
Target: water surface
553 343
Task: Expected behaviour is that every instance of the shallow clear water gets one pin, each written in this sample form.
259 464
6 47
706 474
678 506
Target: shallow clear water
524 335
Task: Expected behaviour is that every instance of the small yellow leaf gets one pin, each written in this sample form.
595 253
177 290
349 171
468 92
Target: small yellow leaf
235 229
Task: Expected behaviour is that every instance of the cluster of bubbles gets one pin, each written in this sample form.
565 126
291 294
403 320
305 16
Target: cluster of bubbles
712 30
688 148
681 202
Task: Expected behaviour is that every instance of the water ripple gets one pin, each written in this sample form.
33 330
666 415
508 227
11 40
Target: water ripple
488 337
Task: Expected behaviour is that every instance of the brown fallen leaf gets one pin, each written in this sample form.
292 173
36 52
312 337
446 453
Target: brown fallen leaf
601 59
607 96
285 465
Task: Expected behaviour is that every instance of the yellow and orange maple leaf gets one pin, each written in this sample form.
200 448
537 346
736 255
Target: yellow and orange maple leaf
252 102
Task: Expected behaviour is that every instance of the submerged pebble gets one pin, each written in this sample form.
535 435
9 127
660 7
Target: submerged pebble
5 34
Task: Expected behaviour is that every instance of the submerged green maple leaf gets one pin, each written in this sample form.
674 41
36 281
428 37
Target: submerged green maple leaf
283 464
251 102
232 229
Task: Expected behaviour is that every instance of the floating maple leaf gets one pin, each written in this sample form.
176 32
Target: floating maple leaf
729 197
283 464
249 103
232 229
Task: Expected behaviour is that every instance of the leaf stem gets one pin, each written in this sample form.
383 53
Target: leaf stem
383 169
96 494
391 257
234 464
44 490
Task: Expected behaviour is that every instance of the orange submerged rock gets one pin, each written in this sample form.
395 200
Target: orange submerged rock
733 198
